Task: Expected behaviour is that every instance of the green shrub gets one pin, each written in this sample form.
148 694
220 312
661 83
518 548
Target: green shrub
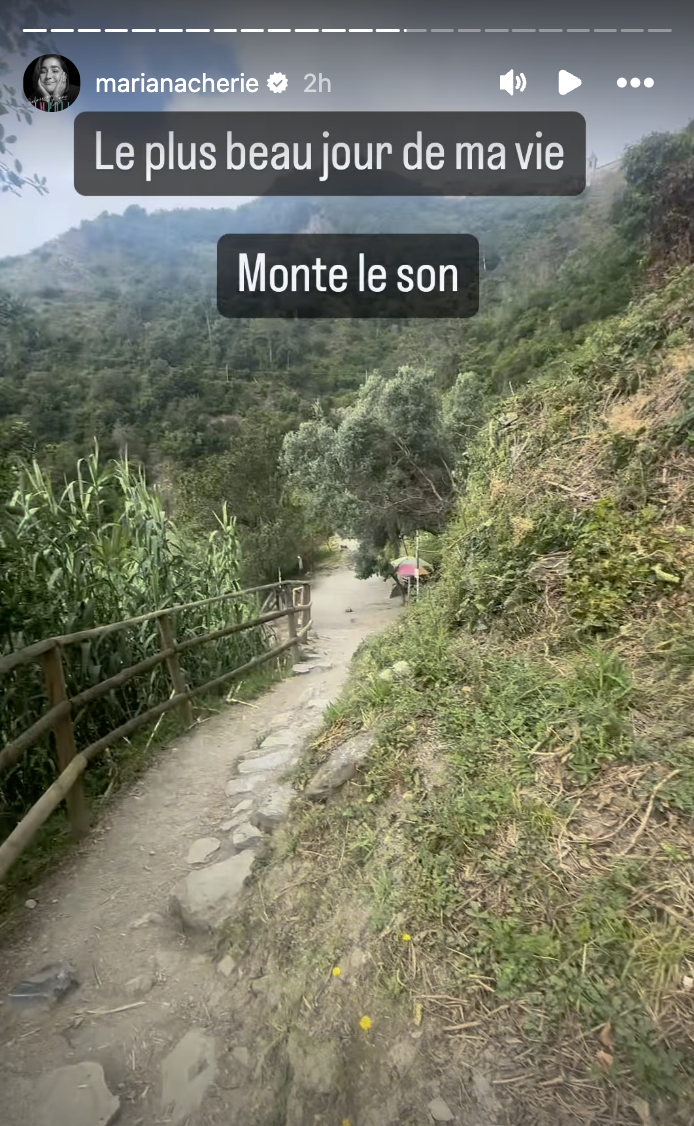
618 561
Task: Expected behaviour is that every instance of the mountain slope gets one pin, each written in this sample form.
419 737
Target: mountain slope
112 329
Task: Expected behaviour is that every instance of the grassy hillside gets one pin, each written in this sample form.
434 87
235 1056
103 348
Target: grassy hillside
511 877
517 858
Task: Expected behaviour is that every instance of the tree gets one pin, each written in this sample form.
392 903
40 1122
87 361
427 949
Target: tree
248 479
658 204
463 409
382 471
309 459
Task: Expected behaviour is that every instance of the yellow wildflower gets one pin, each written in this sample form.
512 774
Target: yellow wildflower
336 971
365 1023
406 937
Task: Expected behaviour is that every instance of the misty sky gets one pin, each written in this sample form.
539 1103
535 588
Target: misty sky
433 69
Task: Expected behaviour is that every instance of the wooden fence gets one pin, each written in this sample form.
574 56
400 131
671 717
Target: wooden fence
293 603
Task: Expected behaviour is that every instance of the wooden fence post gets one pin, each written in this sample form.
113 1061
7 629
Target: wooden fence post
75 800
306 598
291 623
167 642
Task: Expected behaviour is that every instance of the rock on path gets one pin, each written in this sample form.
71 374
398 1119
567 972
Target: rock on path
202 850
281 739
49 985
208 896
275 760
76 1095
272 808
186 1074
342 765
440 1110
246 836
245 785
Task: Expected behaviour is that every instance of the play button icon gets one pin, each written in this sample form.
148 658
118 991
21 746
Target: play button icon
568 82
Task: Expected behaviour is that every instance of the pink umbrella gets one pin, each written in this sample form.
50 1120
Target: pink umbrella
410 570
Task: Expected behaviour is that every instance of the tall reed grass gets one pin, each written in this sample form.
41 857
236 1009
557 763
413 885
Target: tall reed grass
101 551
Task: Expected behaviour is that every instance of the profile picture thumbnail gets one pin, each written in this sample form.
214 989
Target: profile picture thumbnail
51 83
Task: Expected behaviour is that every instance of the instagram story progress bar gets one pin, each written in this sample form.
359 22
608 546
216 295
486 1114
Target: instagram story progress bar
346 30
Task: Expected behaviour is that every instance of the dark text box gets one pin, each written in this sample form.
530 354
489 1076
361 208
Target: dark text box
348 275
331 153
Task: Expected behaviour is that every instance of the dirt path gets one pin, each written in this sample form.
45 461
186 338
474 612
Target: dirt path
107 914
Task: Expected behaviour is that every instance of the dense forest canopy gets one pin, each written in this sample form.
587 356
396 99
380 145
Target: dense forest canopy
111 333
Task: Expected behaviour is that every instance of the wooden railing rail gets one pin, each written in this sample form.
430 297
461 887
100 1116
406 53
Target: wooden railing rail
12 753
31 652
72 764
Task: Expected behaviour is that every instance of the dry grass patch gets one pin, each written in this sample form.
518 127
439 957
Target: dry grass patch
659 401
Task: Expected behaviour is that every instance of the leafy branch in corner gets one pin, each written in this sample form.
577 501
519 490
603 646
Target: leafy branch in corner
11 171
13 41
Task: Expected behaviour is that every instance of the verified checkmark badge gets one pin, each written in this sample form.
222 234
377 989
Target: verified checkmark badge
277 82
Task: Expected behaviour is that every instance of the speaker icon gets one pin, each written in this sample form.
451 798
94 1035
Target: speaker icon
506 82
